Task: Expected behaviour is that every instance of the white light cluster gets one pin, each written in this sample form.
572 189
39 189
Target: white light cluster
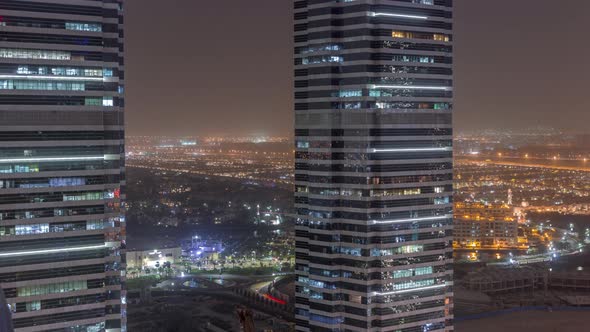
55 78
417 289
399 221
400 16
48 159
49 251
413 87
414 150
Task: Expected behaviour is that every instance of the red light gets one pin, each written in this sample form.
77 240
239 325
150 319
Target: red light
274 299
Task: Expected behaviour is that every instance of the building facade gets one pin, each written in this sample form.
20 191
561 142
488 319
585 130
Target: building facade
62 226
373 168
485 226
153 258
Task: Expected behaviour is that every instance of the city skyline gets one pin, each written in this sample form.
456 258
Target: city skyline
520 90
294 166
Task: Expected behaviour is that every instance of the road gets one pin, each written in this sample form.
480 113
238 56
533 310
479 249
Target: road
523 163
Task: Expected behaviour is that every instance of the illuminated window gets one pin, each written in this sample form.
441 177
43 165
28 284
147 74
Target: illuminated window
423 270
66 182
94 27
395 192
62 287
108 101
40 85
439 37
321 48
24 70
94 101
6 231
442 106
347 251
91 101
411 249
25 169
413 58
321 59
91 196
441 200
401 34
302 189
97 224
302 145
93 72
418 35
31 229
350 93
413 284
33 306
13 53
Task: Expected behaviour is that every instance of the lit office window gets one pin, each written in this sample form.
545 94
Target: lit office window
31 229
62 287
13 53
40 85
93 27
108 101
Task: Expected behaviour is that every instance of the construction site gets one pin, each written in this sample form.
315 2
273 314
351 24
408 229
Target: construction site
487 289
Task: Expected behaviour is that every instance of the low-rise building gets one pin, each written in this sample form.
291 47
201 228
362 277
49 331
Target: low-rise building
205 248
153 258
479 225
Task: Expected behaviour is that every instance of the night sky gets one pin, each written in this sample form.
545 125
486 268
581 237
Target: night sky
224 67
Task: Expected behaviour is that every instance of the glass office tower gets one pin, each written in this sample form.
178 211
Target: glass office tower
62 232
373 172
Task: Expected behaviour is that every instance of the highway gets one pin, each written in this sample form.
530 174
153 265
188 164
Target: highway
550 164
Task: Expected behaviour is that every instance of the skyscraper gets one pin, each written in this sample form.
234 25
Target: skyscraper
62 227
373 172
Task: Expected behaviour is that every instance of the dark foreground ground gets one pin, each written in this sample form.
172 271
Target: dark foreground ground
537 321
